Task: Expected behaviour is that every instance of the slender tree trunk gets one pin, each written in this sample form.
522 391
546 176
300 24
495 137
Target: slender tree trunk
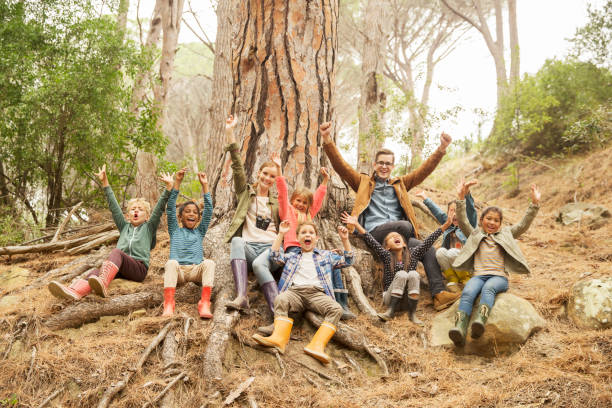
171 11
221 94
4 191
124 6
515 68
372 98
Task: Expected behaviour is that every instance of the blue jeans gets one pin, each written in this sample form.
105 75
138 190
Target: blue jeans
488 285
336 274
257 255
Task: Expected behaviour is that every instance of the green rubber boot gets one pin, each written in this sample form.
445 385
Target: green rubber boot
478 325
457 333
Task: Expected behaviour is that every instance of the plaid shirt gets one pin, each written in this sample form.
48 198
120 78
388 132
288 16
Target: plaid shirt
325 261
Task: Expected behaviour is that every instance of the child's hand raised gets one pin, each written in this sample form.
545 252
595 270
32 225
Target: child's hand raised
535 194
421 194
230 123
167 179
325 173
343 232
463 187
445 140
449 219
348 219
180 175
275 158
203 179
101 174
284 227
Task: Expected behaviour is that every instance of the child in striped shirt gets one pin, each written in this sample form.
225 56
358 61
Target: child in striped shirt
490 252
186 262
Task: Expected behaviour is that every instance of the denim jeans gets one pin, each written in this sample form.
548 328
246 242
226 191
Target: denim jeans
257 255
488 285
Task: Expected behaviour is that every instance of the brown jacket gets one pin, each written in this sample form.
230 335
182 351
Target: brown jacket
363 184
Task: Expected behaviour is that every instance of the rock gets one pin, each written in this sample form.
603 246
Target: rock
13 277
590 303
9 303
511 321
592 215
139 313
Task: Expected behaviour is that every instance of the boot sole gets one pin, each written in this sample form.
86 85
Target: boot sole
477 330
456 337
97 287
324 358
262 340
60 292
445 305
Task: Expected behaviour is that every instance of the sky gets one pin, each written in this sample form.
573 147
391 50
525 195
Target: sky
466 78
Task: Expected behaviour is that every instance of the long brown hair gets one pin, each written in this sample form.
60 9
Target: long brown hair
307 194
405 257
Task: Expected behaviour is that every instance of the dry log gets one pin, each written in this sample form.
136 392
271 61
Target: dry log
94 229
65 222
238 391
49 246
356 291
80 313
350 338
115 388
424 209
88 246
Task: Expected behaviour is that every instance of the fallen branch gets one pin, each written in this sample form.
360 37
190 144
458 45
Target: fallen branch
280 363
424 209
319 372
115 388
80 313
238 391
169 359
165 390
32 359
352 362
50 397
109 237
65 222
94 230
49 246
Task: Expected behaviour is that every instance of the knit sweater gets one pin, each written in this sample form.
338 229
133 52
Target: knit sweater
138 241
287 212
185 243
416 254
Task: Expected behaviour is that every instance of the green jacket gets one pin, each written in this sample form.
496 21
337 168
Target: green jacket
244 193
138 241
514 260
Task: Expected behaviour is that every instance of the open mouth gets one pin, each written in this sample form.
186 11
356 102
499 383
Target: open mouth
397 242
307 241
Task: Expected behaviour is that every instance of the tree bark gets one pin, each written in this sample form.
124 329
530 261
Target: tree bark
515 58
122 12
372 97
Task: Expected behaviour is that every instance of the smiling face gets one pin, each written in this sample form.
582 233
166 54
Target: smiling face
307 237
491 221
190 216
138 213
383 165
394 242
266 176
300 203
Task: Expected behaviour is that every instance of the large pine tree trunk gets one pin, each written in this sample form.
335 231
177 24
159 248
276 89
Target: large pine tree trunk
283 66
372 97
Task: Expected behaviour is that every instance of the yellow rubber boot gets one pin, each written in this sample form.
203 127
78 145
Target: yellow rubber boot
279 337
452 280
316 347
464 277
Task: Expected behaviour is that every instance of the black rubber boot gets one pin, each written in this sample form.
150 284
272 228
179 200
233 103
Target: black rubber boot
342 300
412 305
393 305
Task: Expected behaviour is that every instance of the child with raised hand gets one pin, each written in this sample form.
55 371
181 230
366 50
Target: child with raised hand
306 284
130 259
186 262
253 228
490 252
453 238
400 280
304 206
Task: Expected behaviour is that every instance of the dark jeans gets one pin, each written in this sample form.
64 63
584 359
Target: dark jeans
129 268
430 263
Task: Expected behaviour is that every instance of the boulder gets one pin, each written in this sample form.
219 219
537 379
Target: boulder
590 303
511 321
13 277
591 215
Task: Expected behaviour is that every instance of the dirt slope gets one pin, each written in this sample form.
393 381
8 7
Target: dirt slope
561 366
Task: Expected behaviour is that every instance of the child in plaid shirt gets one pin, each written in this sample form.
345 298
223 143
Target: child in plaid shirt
306 284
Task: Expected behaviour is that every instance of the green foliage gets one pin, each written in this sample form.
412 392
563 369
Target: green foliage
594 40
66 73
563 108
11 401
512 183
